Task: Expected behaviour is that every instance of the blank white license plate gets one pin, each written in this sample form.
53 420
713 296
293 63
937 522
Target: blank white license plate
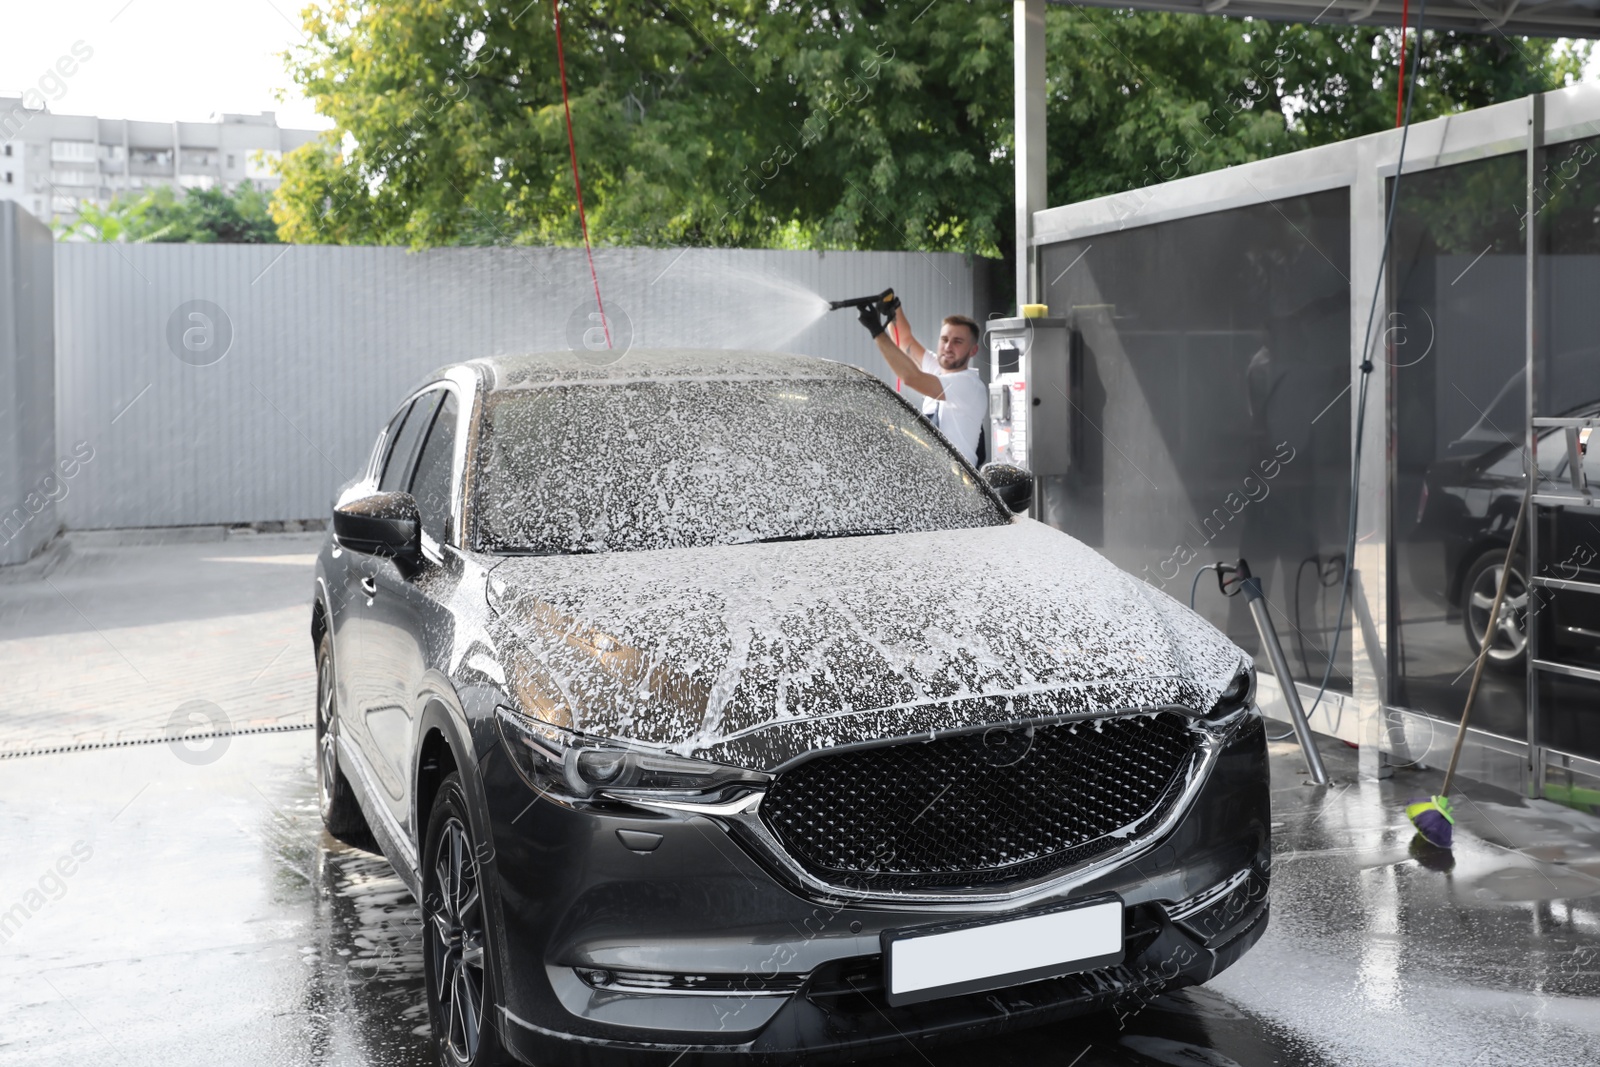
946 961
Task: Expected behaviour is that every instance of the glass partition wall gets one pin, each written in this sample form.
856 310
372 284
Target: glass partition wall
1214 409
1566 366
1456 362
1217 338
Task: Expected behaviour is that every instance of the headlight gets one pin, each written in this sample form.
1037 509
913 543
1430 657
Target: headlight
1240 694
571 765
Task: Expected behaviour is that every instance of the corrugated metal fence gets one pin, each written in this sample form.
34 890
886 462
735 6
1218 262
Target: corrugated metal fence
241 383
30 482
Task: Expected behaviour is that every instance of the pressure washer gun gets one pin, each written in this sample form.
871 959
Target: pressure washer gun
1235 579
886 302
877 310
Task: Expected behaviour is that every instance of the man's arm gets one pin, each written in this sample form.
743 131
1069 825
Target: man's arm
907 370
908 343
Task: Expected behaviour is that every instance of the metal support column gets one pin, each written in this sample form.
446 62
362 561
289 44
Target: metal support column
1530 247
1369 664
1028 123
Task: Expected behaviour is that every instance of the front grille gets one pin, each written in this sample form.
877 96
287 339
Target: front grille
999 806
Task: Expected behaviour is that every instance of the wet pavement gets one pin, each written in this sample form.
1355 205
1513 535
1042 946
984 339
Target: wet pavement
107 641
178 903
208 919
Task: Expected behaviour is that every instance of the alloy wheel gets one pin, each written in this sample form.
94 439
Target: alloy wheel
327 740
1509 640
455 923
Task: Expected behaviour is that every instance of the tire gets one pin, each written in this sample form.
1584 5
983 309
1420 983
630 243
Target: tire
1508 647
341 813
456 938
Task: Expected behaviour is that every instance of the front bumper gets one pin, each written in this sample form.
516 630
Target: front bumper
743 962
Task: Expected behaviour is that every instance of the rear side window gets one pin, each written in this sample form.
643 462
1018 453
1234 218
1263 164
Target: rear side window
397 466
431 486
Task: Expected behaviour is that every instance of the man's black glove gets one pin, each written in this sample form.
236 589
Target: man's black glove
890 306
872 319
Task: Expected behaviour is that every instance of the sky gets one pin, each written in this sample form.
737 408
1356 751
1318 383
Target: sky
160 60
166 60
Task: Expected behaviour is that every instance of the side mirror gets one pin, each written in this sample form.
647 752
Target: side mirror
1012 484
383 524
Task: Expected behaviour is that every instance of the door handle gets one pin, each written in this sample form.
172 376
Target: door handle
369 586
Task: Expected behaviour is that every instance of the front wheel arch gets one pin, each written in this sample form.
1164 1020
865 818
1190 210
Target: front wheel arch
319 621
443 743
436 760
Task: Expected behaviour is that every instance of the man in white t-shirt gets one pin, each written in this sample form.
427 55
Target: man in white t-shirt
957 400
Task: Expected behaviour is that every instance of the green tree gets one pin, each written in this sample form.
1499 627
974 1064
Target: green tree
1342 82
1131 105
159 214
857 124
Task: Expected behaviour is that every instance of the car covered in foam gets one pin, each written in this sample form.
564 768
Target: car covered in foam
713 706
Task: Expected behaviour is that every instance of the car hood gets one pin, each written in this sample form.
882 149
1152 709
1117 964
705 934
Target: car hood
754 654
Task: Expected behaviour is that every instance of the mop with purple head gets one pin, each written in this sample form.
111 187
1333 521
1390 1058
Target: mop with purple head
1432 817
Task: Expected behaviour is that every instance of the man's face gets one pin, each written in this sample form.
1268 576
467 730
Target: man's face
956 346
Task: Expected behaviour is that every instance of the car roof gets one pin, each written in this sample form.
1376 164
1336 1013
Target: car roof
605 367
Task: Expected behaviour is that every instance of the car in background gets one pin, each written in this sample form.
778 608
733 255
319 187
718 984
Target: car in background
712 705
1466 511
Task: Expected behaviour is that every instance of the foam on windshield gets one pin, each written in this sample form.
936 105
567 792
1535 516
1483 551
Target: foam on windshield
636 465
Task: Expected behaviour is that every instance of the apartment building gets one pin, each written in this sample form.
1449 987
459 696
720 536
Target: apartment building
51 163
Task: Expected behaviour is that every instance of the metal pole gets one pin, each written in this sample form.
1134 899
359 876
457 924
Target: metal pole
1028 130
1369 673
1534 380
1251 587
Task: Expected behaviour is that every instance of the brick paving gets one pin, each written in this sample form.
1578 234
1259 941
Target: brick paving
106 641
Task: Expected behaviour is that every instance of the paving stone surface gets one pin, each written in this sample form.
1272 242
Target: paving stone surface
104 642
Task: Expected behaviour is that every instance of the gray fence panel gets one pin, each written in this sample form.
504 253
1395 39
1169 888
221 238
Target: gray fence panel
30 483
303 351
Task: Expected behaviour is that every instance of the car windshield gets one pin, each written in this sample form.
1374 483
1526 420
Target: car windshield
631 466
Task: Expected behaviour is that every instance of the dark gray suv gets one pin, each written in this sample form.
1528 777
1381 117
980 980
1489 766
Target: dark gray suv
712 705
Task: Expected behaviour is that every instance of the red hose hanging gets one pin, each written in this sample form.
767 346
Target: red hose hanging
1400 92
894 331
577 184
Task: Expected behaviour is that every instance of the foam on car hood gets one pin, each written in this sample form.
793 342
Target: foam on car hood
753 654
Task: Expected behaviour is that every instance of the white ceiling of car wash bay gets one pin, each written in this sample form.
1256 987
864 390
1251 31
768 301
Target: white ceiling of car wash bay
1535 18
